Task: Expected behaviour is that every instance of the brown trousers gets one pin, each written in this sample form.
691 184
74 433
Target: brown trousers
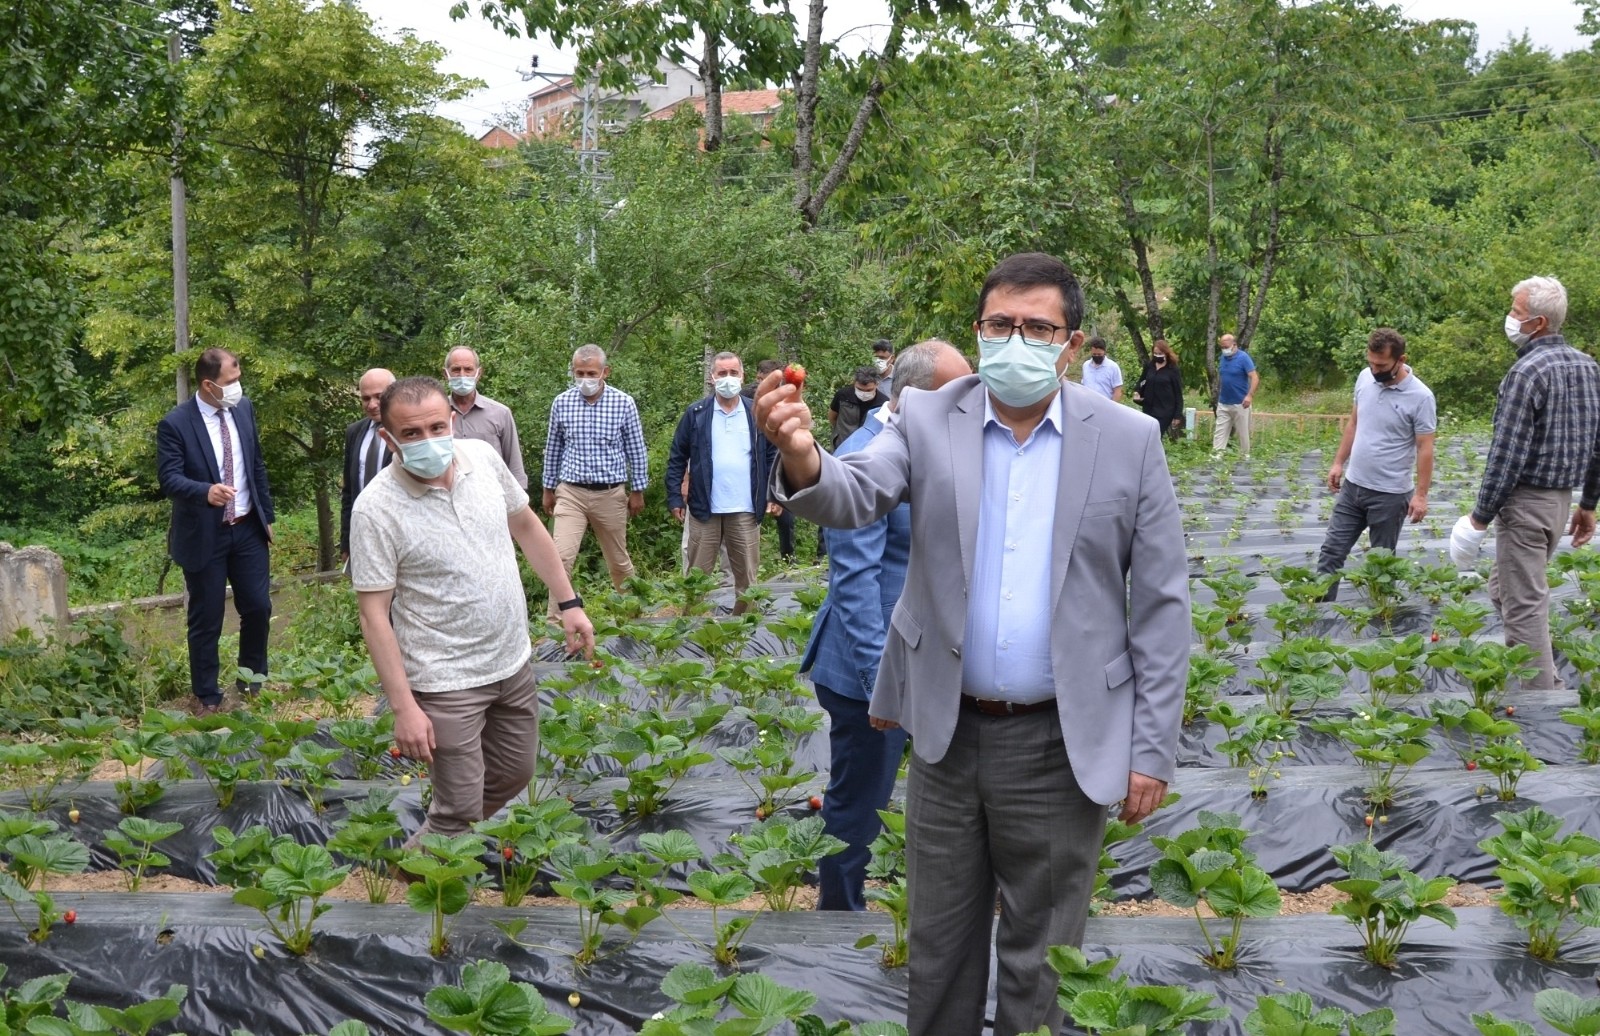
486 741
1527 530
604 510
740 533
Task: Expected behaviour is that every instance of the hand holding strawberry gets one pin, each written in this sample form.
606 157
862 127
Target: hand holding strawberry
784 418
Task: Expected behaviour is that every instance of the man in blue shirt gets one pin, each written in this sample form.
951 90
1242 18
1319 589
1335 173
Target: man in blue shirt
728 462
1236 388
866 572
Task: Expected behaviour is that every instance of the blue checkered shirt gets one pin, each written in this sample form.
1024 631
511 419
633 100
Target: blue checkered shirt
1546 426
595 442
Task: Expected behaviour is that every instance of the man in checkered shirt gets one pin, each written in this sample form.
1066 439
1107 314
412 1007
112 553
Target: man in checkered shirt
595 465
1546 441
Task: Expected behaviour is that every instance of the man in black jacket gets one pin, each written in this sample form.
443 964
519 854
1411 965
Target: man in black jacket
365 453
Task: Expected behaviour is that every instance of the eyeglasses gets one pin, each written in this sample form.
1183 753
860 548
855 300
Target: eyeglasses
1034 332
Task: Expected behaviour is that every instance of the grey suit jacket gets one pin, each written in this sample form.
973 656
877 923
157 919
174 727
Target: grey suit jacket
1120 632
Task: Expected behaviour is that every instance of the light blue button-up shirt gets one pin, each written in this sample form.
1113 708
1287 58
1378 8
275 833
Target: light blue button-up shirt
730 460
1006 652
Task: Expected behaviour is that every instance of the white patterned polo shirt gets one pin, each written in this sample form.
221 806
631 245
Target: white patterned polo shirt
459 610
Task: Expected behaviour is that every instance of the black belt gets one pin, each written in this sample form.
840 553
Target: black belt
995 707
237 519
595 487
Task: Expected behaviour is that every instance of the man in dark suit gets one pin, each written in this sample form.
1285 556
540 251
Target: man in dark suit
208 458
365 453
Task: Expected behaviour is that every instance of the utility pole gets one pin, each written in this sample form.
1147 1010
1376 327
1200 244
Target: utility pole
180 237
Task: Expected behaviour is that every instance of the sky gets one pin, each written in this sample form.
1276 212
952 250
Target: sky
479 51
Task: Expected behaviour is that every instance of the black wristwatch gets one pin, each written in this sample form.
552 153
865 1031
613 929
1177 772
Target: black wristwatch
566 606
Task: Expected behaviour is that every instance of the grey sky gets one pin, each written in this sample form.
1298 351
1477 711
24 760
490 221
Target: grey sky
478 51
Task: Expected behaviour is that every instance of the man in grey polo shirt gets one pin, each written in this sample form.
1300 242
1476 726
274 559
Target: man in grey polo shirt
1391 428
442 606
479 417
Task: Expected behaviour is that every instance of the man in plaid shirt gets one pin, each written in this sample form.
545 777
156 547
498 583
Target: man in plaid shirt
1546 441
595 465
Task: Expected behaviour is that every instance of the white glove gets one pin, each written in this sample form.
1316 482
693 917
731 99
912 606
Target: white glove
1465 544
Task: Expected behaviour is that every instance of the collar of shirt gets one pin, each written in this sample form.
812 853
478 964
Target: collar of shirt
1541 342
1052 416
883 415
207 411
418 488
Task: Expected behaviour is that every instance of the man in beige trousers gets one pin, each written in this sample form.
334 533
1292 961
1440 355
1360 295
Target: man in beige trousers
595 466
442 607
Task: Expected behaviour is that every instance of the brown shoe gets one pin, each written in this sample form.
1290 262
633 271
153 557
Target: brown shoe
208 710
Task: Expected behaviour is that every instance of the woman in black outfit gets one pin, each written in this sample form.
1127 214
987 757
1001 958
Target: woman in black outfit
1160 389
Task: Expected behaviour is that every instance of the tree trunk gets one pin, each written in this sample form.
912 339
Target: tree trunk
805 104
711 81
1214 302
1130 317
1141 262
326 533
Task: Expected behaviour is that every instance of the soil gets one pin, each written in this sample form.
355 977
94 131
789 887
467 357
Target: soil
117 881
1317 901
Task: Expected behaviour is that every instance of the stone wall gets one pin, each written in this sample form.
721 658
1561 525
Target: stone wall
33 591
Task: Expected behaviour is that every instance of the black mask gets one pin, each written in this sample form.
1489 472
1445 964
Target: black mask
1099 360
1160 360
1384 377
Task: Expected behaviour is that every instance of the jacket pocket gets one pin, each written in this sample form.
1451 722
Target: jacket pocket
1103 508
1119 671
906 626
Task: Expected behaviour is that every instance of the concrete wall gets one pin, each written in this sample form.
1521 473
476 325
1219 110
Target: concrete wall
33 591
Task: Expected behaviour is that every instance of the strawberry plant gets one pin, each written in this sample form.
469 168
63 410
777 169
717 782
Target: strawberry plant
241 859
676 683
446 868
770 758
581 868
1297 674
524 839
1587 719
724 638
291 891
1386 743
1100 1003
1583 651
134 843
655 751
1382 578
34 851
1249 734
887 869
41 768
569 731
1207 676
1435 583
1468 730
1392 667
367 741
370 837
1212 629
1295 1014
1486 666
309 767
135 791
1563 1011
706 1002
777 854
488 1003
1291 619
137 1020
222 758
793 629
1209 864
1508 760
1463 619
1552 885
1386 898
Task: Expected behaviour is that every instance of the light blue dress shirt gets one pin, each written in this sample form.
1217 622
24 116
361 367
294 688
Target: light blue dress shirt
730 460
1006 652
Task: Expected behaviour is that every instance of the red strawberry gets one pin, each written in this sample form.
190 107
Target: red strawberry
1511 710
795 375
1472 764
508 852
71 917
1434 637
394 753
816 802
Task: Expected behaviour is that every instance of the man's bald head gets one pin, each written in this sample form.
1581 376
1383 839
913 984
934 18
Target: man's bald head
928 365
371 387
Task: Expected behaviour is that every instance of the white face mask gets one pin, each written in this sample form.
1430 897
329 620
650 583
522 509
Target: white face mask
589 386
231 394
727 387
880 365
866 397
1017 373
1514 330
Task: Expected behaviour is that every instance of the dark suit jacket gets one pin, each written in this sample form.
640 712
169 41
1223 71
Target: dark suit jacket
351 488
187 467
691 448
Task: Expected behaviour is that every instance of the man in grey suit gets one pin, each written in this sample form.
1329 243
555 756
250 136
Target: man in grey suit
1035 694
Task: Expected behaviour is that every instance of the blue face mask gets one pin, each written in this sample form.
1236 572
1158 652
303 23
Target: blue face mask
428 458
1017 373
463 386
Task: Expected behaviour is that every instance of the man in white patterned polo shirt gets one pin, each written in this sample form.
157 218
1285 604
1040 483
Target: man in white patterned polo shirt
442 606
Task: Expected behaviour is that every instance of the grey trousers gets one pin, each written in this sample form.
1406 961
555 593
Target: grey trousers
1382 515
1001 811
486 740
1527 530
